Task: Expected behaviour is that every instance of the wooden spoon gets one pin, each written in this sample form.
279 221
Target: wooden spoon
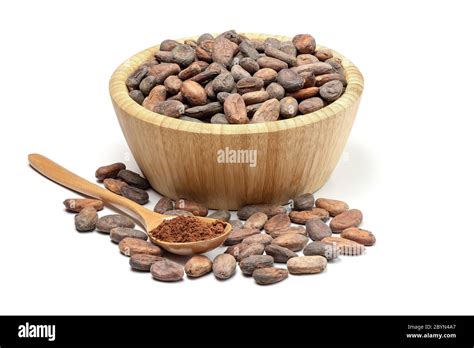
147 218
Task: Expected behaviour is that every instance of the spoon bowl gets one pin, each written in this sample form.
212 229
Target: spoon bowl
147 218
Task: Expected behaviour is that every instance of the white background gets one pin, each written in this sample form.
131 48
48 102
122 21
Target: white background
407 165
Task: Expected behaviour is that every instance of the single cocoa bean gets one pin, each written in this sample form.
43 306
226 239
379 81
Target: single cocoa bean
209 88
163 70
250 249
304 43
223 215
193 93
224 51
309 79
222 96
267 75
304 59
329 251
224 82
301 217
255 97
133 81
277 222
234 250
135 194
133 179
275 90
248 49
147 84
317 68
358 235
204 111
269 111
280 254
178 212
173 84
236 224
331 90
249 264
217 68
205 49
197 266
164 204
77 204
131 246
268 209
170 108
345 246
204 37
193 207
237 236
190 119
119 233
114 185
271 41
250 65
336 65
290 80
157 95
86 219
137 96
272 63
219 119
224 266
256 220
323 79
239 73
249 84
304 93
304 202
324 54
107 222
292 241
349 218
183 55
234 109
288 107
143 262
269 275
280 55
288 48
261 238
164 56
168 45
307 264
310 105
291 229
192 70
317 229
333 206
167 271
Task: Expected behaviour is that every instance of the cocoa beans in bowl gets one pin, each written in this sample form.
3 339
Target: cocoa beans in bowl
266 155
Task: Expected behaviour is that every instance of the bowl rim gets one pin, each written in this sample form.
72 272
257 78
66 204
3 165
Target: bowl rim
119 94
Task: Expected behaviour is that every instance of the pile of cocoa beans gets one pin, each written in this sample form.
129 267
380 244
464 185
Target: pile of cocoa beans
231 79
303 238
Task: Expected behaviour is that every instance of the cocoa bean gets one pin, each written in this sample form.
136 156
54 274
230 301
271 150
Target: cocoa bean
249 84
317 229
253 262
307 264
269 111
164 56
224 82
288 48
178 97
173 84
234 250
190 119
163 70
237 236
205 49
323 54
232 36
272 63
250 249
157 95
292 241
204 37
309 79
168 45
209 88
279 253
358 235
267 75
310 105
268 209
336 65
277 222
170 108
256 220
271 41
147 84
195 208
167 271
223 51
219 119
222 96
238 73
192 70
114 185
261 238
250 65
304 59
193 93
131 246
280 55
304 43
276 91
304 202
327 250
197 266
304 93
290 80
133 179
269 275
217 68
143 262
234 109
236 224
204 111
301 217
323 79
119 233
77 204
109 171
255 97
331 90
135 194
137 96
290 229
317 68
133 81
178 212
86 219
247 48
223 215
107 222
349 218
288 107
183 55
345 246
333 206
164 204
224 266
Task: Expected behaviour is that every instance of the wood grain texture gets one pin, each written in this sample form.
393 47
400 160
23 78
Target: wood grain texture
179 158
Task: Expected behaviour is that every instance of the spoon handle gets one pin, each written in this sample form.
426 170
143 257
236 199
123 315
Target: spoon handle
74 182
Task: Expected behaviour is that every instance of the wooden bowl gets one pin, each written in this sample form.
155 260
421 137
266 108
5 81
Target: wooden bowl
180 158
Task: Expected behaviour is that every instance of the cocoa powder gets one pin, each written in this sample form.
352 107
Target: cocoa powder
184 229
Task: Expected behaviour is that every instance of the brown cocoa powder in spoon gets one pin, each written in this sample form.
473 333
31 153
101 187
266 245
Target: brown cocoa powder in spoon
184 229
